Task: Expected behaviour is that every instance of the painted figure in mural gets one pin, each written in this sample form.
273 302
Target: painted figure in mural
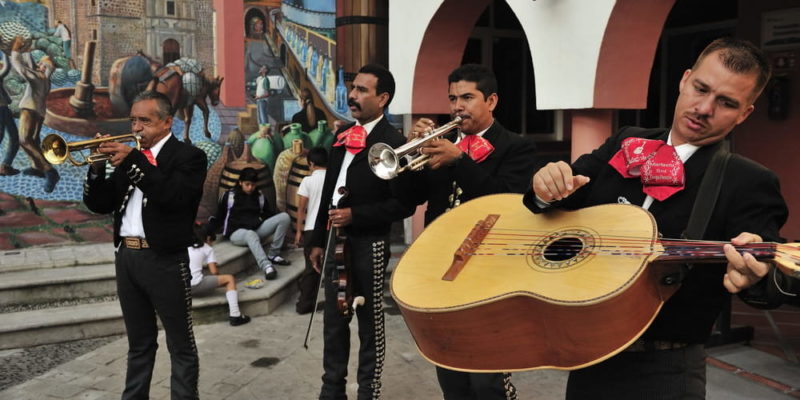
309 114
484 159
66 41
365 216
714 96
256 25
153 193
196 87
7 124
32 111
262 95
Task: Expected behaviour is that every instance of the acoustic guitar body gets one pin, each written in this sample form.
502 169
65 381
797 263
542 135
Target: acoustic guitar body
521 301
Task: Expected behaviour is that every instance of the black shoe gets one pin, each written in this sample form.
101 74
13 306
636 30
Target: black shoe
33 172
270 273
278 260
240 320
51 178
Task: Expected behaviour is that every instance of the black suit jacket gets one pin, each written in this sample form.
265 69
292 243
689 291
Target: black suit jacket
375 202
749 201
172 192
508 169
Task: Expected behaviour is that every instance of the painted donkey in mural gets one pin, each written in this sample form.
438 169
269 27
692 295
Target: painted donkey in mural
185 87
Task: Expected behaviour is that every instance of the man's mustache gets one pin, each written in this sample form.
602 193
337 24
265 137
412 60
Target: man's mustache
353 103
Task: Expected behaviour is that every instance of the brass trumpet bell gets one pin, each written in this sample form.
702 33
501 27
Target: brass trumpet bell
57 150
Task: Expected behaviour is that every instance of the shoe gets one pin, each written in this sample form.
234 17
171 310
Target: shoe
278 260
51 178
33 172
270 273
7 170
240 320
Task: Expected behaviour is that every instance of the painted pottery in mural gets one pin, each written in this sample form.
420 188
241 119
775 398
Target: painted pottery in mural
265 147
236 140
283 167
299 170
84 110
211 192
296 133
230 175
321 136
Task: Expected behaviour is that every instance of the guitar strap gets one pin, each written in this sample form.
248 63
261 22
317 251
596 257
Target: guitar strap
707 195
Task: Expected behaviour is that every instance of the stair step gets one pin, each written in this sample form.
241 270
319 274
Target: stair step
37 258
28 285
55 325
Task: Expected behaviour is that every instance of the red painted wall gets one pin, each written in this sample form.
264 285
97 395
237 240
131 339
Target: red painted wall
770 142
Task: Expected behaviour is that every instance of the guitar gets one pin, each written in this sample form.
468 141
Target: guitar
491 287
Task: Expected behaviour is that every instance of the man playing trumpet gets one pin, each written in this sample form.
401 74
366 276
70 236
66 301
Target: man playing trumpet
154 194
485 159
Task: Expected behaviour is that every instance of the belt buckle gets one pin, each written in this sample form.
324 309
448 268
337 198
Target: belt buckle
136 243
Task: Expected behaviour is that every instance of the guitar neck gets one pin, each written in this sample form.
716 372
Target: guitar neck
710 252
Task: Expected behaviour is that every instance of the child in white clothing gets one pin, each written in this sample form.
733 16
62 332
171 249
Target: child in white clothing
201 253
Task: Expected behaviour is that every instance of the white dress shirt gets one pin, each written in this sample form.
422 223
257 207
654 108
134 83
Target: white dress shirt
132 224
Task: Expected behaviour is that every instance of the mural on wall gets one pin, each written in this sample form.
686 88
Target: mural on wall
57 85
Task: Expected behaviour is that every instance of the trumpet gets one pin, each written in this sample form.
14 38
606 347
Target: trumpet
387 163
57 150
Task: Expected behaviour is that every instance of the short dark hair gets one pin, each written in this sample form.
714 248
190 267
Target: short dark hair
742 57
484 78
385 79
319 156
164 109
248 175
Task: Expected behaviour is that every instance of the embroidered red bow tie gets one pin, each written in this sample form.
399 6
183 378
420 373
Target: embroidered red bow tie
655 162
354 139
476 147
149 154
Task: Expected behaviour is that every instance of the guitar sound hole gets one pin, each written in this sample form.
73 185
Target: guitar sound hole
563 249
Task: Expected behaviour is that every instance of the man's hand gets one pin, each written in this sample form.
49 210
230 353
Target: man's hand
555 181
340 217
316 258
17 44
117 150
743 269
442 152
423 126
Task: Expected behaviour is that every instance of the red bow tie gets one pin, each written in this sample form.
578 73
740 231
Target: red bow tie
476 147
655 162
354 139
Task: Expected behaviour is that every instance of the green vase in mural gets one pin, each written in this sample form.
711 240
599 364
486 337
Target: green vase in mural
265 147
321 136
296 133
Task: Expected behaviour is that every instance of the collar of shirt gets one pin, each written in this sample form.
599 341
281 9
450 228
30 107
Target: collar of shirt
371 124
155 149
684 150
461 135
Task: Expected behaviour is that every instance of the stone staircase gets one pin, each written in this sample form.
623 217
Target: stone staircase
57 294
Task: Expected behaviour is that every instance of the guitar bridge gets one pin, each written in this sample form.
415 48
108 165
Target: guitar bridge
469 245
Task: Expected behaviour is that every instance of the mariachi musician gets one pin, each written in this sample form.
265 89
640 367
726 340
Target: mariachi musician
366 217
485 159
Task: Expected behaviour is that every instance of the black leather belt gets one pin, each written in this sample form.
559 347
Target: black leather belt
135 243
651 345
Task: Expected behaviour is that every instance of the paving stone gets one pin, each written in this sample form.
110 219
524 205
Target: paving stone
6 241
21 219
42 238
71 215
95 234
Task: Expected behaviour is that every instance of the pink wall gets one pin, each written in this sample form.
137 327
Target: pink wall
770 142
590 128
230 50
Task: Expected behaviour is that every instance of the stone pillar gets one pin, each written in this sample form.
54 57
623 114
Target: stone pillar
229 42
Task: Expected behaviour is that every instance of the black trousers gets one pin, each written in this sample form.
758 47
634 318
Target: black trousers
678 374
369 256
150 284
457 385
